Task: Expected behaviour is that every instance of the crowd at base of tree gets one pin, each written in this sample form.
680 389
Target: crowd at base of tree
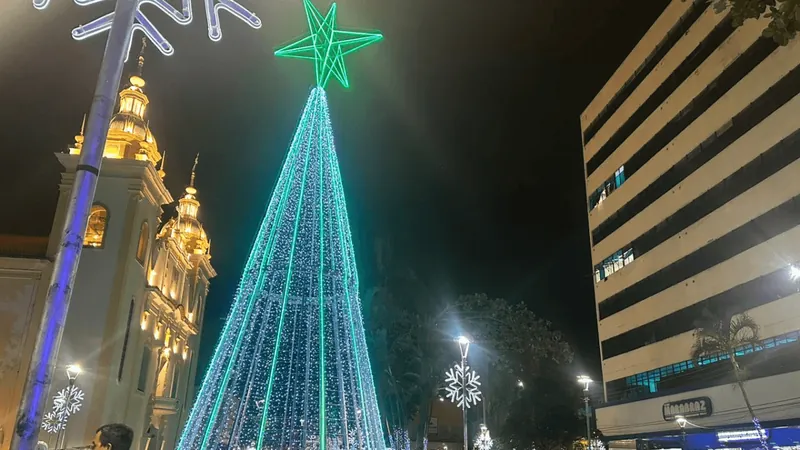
412 334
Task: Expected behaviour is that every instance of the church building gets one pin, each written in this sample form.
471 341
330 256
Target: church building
138 300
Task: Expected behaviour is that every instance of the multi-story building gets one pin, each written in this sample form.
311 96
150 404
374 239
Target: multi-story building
692 161
138 300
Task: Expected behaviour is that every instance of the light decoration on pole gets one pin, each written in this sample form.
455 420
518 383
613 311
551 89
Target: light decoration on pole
463 386
182 16
291 368
484 440
52 423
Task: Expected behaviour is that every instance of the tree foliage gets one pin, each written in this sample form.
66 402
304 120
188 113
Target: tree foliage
722 336
412 331
783 15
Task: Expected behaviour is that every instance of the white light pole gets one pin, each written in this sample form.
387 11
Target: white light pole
463 346
120 25
586 381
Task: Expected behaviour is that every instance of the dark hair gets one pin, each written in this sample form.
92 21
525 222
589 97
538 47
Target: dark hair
119 436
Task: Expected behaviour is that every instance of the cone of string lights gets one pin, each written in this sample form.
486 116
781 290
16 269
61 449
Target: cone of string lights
291 368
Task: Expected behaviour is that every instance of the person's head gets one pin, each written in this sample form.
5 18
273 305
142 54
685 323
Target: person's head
113 436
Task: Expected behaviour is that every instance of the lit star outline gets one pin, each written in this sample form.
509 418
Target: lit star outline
326 45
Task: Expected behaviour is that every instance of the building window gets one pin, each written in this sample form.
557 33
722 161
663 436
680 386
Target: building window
125 342
141 248
651 379
144 369
176 374
613 263
607 188
96 227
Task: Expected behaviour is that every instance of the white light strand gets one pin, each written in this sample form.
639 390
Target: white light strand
463 386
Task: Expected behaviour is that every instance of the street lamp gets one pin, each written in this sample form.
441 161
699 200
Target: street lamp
120 25
794 272
520 384
463 346
586 381
681 421
73 370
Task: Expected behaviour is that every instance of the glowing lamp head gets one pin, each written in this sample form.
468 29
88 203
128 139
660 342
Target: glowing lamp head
73 370
585 381
520 384
794 272
463 345
681 421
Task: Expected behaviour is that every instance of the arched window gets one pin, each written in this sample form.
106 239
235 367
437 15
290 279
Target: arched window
96 227
141 248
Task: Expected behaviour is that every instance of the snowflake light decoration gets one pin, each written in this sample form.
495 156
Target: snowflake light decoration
52 423
142 23
68 401
484 440
463 386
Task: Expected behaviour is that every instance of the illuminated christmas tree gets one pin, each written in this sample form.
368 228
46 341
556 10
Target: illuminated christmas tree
291 369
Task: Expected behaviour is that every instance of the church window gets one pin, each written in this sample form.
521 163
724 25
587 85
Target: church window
144 369
125 342
176 374
96 227
141 248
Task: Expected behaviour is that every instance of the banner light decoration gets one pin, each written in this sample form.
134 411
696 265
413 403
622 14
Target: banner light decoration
182 17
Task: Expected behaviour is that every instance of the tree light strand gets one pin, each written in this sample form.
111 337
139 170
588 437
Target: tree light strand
291 368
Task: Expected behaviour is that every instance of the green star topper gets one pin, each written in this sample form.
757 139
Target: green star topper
326 45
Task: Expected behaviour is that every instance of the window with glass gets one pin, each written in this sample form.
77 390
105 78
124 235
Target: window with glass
613 263
141 247
608 186
144 370
96 227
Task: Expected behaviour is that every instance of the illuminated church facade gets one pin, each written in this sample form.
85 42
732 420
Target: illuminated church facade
139 296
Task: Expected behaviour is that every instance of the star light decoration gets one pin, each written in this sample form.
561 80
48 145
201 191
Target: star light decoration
183 17
326 45
463 386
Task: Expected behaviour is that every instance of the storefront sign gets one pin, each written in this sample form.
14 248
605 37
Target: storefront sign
693 407
740 435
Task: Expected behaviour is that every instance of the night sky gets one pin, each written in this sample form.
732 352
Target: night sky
459 140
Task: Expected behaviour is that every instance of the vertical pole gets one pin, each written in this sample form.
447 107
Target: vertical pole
464 398
588 426
62 434
48 338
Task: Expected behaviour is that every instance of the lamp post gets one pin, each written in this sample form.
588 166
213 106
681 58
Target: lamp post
73 370
681 421
586 381
463 346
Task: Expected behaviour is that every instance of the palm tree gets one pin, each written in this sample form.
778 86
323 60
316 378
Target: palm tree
722 337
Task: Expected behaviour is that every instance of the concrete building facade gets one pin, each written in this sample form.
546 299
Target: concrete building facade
138 300
692 162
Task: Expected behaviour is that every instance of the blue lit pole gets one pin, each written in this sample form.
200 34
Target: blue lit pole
48 338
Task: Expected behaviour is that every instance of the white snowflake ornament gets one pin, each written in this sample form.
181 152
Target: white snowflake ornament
463 386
